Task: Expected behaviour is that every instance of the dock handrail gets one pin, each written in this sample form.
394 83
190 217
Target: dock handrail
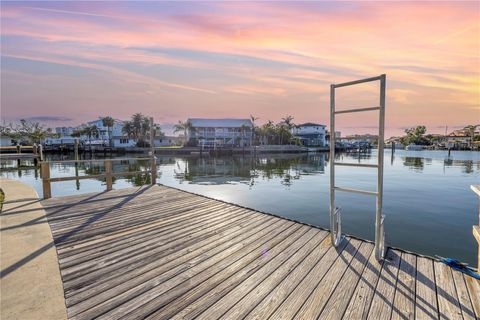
335 212
108 175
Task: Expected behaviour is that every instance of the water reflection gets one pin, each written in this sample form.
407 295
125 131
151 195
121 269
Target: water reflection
248 170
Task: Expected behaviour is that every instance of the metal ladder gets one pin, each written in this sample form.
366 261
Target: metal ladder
335 212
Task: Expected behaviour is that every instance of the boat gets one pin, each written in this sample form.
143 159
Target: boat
415 147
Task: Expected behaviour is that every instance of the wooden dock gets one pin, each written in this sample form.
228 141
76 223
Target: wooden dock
159 253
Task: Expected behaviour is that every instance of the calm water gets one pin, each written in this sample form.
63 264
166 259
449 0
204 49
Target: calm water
429 206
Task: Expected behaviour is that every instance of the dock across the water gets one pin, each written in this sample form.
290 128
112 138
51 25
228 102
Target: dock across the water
160 253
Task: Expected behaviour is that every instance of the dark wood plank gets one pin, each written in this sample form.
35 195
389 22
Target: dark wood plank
448 305
404 303
313 306
473 287
341 296
278 294
463 296
426 306
240 301
382 302
296 299
361 299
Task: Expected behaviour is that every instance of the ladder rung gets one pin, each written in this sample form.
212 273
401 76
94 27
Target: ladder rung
371 193
357 110
355 165
350 83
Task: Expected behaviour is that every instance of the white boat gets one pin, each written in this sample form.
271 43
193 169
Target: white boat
414 147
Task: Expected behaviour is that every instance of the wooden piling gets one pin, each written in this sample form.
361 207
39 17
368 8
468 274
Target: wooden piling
45 171
108 173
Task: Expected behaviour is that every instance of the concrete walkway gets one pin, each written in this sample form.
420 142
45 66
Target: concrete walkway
30 282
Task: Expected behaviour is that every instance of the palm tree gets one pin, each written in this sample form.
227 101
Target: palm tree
244 128
137 123
253 119
288 120
183 126
128 129
470 129
91 131
109 122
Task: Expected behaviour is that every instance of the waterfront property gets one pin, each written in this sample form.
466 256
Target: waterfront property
106 136
220 132
310 134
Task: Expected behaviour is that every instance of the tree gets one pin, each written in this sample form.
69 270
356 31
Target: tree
26 132
128 129
415 136
254 128
138 128
244 128
185 127
90 131
109 122
288 120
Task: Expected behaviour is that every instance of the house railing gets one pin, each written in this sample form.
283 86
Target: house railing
108 175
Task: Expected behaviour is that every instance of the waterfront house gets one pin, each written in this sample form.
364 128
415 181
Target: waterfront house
310 134
220 132
64 131
166 141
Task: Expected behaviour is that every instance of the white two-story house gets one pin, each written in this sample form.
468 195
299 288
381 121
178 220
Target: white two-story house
310 134
220 132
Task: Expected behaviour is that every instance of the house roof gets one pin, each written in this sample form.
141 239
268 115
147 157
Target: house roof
223 123
311 124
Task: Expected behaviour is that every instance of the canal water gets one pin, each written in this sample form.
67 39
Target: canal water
428 203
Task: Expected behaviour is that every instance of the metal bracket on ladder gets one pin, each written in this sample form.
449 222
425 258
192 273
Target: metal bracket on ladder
336 233
335 216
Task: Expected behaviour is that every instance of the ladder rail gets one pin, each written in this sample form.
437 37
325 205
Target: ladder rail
335 222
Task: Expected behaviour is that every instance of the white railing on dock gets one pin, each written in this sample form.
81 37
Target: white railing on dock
108 175
335 212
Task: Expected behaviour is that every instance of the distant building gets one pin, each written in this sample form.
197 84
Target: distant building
166 141
356 138
220 132
64 131
310 134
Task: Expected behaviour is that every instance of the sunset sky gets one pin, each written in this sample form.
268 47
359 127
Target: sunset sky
65 63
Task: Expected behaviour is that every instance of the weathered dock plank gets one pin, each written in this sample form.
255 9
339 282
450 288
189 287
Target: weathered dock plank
160 253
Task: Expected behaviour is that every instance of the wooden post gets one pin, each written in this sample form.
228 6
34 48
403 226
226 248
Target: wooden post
153 169
76 149
40 150
45 171
108 172
152 138
153 160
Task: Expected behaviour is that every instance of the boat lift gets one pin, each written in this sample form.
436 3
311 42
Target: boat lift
335 212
